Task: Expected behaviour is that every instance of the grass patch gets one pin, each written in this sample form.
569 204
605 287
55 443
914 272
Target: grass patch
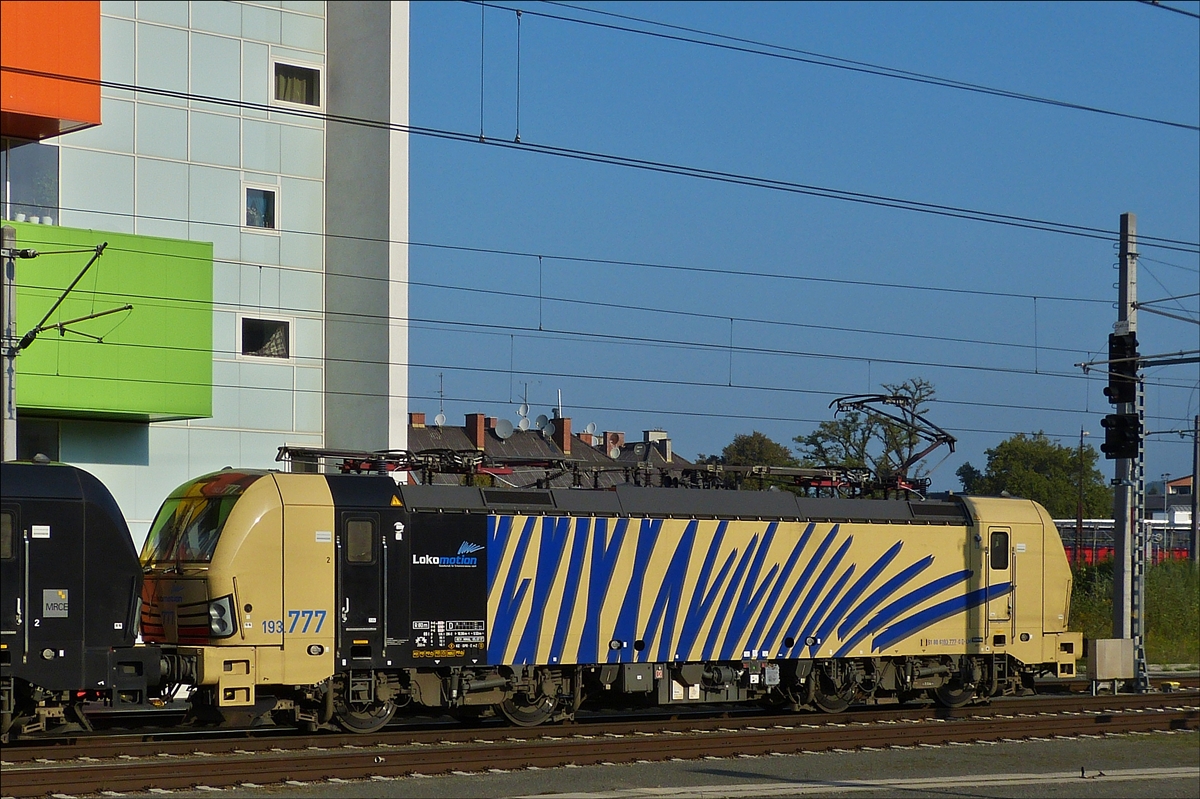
1172 608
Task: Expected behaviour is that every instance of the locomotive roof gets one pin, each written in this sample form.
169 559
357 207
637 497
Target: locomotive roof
24 480
630 500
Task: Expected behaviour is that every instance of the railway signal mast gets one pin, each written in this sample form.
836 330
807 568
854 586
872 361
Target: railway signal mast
1124 442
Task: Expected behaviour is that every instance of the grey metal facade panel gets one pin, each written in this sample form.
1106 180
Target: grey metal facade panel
439 497
357 260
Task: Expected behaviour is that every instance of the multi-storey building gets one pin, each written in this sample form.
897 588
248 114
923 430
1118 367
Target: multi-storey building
261 245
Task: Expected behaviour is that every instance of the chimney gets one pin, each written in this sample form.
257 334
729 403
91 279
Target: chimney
491 423
658 439
475 428
562 435
612 440
416 420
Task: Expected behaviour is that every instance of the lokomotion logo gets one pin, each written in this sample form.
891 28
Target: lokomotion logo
464 557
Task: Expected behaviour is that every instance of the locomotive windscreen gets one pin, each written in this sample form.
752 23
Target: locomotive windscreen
189 523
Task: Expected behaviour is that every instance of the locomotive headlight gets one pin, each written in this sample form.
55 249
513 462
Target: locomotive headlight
221 623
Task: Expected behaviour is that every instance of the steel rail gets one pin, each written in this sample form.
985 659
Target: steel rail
217 741
504 751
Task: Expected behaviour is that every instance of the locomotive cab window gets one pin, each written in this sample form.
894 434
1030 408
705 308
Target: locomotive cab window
6 535
998 550
360 541
188 526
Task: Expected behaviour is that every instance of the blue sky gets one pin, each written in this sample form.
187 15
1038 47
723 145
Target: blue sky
710 309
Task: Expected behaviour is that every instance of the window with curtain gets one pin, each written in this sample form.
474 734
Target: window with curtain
300 85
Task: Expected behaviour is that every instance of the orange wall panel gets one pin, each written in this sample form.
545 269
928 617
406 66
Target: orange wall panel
62 40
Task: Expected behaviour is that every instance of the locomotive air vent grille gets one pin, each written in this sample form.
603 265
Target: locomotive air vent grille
518 498
923 510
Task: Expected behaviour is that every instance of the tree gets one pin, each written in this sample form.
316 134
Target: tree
1037 468
755 449
857 440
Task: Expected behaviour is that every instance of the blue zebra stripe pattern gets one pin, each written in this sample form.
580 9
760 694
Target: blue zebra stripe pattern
569 590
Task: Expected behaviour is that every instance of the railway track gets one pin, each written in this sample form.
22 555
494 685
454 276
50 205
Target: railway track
94 765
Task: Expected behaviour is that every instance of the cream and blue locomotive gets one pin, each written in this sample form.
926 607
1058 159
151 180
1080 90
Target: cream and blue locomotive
313 599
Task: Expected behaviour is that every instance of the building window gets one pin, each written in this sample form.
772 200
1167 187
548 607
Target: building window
37 437
266 338
299 85
29 172
260 208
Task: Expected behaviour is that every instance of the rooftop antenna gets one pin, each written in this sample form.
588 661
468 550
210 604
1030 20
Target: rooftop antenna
504 429
440 419
523 411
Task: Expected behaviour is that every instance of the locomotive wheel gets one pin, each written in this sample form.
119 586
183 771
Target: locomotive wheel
829 695
365 719
523 711
953 694
956 692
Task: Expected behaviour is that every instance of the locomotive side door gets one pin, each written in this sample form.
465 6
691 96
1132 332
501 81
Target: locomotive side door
360 557
397 621
999 572
15 605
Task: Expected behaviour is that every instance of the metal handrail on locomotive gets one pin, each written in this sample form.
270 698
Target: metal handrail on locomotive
316 599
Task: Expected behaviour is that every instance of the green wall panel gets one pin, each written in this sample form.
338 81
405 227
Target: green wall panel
154 362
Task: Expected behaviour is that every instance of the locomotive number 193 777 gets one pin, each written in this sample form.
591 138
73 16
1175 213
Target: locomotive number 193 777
294 621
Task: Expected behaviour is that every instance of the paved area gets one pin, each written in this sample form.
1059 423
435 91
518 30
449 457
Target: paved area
1134 766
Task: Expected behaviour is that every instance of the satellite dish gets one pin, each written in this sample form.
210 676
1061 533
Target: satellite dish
523 424
440 419
504 429
540 422
639 450
548 430
523 410
614 453
590 429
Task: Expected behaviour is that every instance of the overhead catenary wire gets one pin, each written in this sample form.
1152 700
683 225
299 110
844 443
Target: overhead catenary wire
589 303
1183 11
534 334
601 261
661 167
657 310
755 47
497 401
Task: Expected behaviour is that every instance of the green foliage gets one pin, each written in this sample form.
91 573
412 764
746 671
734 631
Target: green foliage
858 440
1037 468
756 449
1172 608
1173 613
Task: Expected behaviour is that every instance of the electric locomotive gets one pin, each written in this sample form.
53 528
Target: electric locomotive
320 598
70 590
